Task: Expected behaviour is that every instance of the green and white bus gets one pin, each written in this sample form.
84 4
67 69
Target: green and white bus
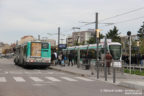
33 53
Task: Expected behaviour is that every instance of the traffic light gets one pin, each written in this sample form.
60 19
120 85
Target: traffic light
129 33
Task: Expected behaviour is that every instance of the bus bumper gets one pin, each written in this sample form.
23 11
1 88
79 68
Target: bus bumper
38 63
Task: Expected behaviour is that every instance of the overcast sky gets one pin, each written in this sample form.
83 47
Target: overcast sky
39 17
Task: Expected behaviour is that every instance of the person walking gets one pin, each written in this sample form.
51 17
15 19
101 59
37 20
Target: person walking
108 61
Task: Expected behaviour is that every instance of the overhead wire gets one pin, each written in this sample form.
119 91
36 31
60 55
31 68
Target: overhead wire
125 13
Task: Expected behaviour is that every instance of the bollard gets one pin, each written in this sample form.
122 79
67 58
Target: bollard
105 71
97 69
114 75
114 72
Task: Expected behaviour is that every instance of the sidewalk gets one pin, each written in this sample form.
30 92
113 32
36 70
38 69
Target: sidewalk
126 80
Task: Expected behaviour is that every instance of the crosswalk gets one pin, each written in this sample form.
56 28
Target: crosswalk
45 79
19 79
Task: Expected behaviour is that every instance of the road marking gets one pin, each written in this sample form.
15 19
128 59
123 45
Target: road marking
53 79
3 79
68 79
85 79
19 79
36 79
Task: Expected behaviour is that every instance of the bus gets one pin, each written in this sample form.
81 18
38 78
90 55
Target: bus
114 48
33 53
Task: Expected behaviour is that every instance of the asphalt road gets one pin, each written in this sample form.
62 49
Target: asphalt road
18 81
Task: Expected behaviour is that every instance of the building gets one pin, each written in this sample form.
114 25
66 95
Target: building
1 46
51 41
6 48
69 41
26 39
125 42
82 37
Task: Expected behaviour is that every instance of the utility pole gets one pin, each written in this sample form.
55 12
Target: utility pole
97 44
58 38
38 37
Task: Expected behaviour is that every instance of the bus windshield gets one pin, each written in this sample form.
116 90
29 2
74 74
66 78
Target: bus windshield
115 51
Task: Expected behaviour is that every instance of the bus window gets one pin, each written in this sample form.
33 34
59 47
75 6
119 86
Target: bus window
44 45
25 51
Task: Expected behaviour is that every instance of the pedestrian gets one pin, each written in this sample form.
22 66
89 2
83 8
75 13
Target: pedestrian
87 61
142 59
62 61
70 59
59 59
56 58
53 58
75 59
108 58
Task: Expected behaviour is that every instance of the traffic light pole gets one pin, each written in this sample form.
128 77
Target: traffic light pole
130 54
129 35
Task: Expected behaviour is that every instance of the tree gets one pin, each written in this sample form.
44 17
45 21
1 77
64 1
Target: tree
141 32
92 40
140 35
114 35
141 47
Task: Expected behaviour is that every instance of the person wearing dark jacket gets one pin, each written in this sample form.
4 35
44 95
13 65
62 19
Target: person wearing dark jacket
70 59
53 58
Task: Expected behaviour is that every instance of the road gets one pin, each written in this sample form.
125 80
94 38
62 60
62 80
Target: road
18 81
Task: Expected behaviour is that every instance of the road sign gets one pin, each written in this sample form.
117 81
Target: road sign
62 46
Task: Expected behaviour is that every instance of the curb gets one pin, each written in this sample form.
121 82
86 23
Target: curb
127 84
132 85
74 73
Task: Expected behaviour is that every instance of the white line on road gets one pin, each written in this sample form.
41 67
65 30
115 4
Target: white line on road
68 79
3 79
85 79
19 79
36 79
53 79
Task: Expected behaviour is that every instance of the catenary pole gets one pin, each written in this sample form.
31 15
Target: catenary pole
97 44
58 38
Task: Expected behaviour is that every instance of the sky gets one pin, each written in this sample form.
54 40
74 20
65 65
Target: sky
39 17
